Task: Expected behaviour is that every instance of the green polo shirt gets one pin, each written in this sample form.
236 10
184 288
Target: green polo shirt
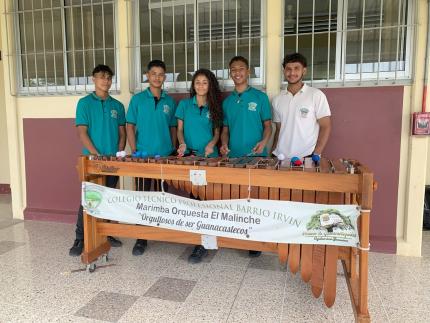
244 115
152 122
198 126
102 119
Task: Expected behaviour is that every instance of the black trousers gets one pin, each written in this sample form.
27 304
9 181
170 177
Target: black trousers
111 182
144 184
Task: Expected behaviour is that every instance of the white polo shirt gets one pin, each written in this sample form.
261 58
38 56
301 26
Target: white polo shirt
298 115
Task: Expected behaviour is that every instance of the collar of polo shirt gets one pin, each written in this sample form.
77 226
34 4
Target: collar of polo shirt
98 98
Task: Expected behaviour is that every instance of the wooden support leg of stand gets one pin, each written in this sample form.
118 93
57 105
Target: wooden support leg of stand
95 245
358 282
283 253
330 275
363 279
317 278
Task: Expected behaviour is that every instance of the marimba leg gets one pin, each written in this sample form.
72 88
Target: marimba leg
330 275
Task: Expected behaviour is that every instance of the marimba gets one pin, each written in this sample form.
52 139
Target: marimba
331 182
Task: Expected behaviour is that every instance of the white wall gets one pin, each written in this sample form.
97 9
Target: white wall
4 160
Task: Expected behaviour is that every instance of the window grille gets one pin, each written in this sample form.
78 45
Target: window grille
57 43
351 42
192 34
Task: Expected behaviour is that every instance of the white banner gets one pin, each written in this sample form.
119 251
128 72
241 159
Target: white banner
257 220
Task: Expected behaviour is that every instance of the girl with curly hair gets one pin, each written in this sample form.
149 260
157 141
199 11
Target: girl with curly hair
200 117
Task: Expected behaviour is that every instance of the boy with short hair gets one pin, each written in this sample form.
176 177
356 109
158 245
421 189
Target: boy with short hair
301 114
100 121
247 118
247 115
151 127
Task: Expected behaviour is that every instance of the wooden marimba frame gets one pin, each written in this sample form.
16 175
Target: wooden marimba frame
333 182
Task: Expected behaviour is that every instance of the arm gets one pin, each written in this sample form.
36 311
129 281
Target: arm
131 136
85 140
173 136
211 144
276 136
323 135
259 147
225 135
122 138
181 140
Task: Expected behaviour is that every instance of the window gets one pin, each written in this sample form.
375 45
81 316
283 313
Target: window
58 43
346 41
193 34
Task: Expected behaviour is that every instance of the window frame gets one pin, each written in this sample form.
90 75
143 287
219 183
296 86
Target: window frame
136 85
66 88
363 78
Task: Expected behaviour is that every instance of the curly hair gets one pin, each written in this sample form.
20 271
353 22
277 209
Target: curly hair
213 96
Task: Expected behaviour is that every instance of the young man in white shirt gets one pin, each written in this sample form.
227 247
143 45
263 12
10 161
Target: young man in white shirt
301 114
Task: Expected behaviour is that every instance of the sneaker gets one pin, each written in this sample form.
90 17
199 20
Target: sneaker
254 253
139 247
77 248
197 255
114 242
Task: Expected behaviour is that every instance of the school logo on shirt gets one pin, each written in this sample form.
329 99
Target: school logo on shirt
114 114
252 106
166 109
304 112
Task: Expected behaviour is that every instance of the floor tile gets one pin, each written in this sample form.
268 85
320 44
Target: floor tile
14 313
151 310
257 305
107 306
266 262
8 223
231 257
6 246
224 274
183 270
45 298
404 314
171 289
260 278
217 289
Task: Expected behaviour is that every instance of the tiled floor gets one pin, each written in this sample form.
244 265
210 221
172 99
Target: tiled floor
39 282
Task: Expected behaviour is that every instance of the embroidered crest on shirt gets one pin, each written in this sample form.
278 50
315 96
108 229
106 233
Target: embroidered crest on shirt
304 112
114 114
166 109
252 106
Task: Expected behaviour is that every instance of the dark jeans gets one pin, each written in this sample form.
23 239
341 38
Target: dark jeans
144 184
111 182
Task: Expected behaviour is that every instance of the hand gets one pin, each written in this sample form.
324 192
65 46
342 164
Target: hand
181 150
224 150
259 147
209 149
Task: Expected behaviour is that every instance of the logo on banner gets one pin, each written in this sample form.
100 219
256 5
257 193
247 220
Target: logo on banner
93 196
329 220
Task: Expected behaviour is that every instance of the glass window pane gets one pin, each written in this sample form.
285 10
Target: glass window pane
196 29
89 38
371 14
381 26
89 27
